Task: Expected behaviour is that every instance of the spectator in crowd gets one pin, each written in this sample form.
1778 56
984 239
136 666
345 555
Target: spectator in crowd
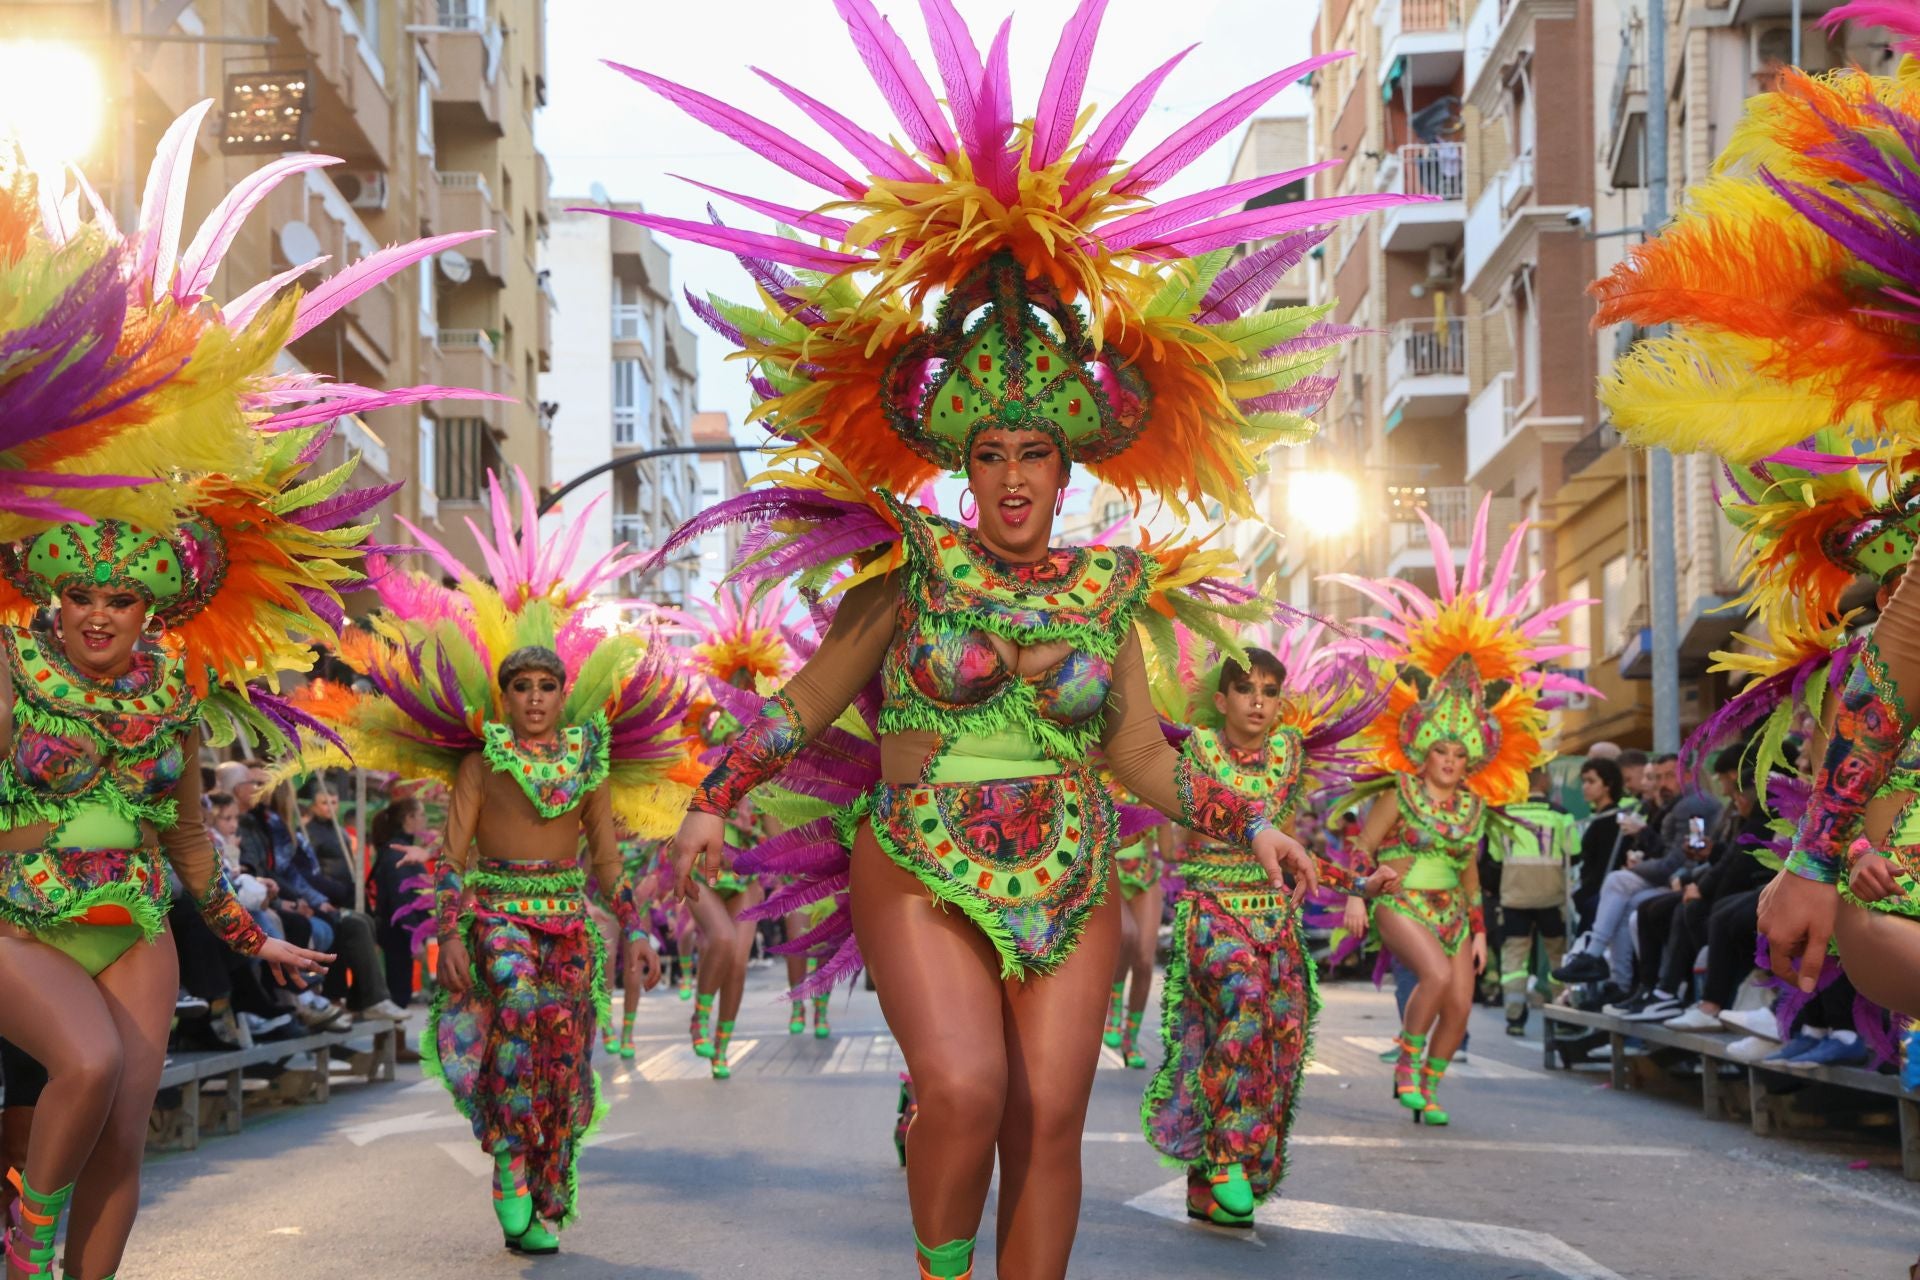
272 844
1604 751
1601 786
332 843
1636 781
1529 885
1659 850
253 892
400 852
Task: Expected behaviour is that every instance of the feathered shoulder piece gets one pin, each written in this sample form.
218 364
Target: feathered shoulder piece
1470 665
987 269
433 652
1790 277
120 374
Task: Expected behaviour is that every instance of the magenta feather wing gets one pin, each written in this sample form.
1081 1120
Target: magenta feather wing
806 220
1189 142
996 120
957 59
1066 80
1110 136
790 253
1258 224
756 135
211 242
1172 215
164 203
881 158
327 410
898 77
1244 285
241 310
337 290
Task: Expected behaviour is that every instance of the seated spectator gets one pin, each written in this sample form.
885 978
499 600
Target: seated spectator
332 846
400 841
1605 952
1601 786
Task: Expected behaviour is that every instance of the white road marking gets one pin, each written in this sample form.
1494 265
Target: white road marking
284 1231
418 1122
470 1157
1828 1184
1474 1068
1480 1238
679 1062
1352 1141
1322 1069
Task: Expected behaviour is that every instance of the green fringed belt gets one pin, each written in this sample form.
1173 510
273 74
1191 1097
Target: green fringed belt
530 890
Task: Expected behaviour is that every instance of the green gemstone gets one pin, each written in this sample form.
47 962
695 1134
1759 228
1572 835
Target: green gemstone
1064 857
1103 562
62 690
1073 809
961 867
930 826
102 572
1014 411
962 570
1013 887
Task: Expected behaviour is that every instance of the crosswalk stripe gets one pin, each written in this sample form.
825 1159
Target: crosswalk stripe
1479 1067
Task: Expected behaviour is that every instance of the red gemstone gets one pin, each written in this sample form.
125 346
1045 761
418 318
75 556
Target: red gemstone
986 363
1073 406
1043 363
165 566
958 405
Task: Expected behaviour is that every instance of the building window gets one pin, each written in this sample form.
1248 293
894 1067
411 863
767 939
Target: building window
632 393
629 321
425 480
460 469
1613 605
1580 625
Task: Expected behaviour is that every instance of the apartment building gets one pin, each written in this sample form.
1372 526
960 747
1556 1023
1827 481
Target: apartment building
622 386
722 471
430 105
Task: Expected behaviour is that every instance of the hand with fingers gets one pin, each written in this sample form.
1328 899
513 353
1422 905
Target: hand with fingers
1796 918
292 965
1873 878
697 851
455 970
1280 853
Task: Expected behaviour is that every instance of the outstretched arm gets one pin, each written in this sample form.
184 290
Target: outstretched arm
456 854
847 659
194 859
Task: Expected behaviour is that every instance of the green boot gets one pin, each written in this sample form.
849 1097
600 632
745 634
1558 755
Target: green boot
796 1017
1430 1075
535 1240
626 1037
820 1028
697 1027
721 1035
36 1220
1204 1206
1231 1191
950 1261
1130 1043
1116 1010
1406 1073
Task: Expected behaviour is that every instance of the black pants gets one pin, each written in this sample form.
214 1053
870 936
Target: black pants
1733 930
360 958
23 1077
212 970
396 953
1654 922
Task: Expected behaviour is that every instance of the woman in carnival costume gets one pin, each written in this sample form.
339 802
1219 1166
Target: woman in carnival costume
1240 1000
162 550
1081 323
737 643
1813 203
550 731
1461 729
1138 869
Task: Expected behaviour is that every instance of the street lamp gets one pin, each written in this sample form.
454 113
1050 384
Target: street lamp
1324 503
51 102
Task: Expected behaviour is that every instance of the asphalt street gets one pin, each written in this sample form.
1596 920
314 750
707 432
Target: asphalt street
788 1170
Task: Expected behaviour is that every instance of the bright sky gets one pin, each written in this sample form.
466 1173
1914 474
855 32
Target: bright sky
601 127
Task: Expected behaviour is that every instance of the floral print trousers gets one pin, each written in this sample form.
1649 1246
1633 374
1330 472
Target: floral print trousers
1237 1024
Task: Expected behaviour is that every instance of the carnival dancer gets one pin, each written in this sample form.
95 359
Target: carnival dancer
156 616
1807 220
1137 869
1461 729
1080 323
738 642
550 732
1239 1004
639 880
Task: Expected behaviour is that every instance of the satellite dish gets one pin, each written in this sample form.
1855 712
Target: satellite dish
298 243
454 265
599 193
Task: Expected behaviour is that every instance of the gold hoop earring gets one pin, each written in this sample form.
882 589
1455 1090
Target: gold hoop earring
966 498
155 626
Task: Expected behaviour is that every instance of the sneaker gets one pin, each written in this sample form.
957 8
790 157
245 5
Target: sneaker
1755 1022
257 1026
188 1005
1835 1052
1693 1020
385 1009
1650 1006
1517 1023
1585 967
1793 1050
1749 1048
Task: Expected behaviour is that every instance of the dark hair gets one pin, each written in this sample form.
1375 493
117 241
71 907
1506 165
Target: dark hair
533 657
1632 759
1728 760
1665 757
1258 660
391 822
221 800
1608 771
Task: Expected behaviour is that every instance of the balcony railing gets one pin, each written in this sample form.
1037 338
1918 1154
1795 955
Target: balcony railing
626 424
467 181
1596 445
463 15
630 528
1433 169
1421 348
1431 15
467 340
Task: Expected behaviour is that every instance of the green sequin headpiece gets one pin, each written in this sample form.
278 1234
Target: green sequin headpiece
1452 708
1883 542
110 554
1007 352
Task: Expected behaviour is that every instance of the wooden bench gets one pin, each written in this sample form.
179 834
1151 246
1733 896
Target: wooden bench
1767 1109
374 1049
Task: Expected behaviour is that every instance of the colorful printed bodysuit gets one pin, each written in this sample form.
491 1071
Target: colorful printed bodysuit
1443 843
515 1050
987 796
99 794
1238 1008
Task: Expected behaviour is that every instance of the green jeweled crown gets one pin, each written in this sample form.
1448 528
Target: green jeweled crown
1882 542
109 554
1007 352
1452 708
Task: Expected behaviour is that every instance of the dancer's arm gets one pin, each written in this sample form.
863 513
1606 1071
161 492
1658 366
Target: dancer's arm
606 865
456 853
847 659
197 863
1476 914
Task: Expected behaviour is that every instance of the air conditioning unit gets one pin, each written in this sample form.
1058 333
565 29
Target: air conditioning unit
363 188
1772 47
1439 264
